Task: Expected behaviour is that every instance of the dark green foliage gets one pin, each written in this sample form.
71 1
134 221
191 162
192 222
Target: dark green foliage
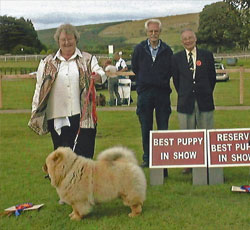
18 36
219 26
241 8
223 25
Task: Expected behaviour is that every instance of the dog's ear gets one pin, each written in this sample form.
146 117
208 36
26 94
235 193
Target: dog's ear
45 168
57 156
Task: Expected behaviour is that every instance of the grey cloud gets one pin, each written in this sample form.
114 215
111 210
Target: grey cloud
51 13
55 19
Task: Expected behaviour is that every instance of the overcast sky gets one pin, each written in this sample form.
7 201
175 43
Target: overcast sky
46 14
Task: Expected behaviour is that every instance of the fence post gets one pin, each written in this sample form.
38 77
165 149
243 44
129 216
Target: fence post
241 85
1 104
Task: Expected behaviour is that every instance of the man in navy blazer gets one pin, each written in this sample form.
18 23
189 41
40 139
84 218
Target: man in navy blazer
194 79
151 62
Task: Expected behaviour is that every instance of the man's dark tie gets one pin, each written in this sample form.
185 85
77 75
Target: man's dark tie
190 62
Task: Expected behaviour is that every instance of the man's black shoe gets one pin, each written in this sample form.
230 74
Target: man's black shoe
187 171
144 164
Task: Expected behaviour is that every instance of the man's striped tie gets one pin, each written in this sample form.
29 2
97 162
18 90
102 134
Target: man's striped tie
190 62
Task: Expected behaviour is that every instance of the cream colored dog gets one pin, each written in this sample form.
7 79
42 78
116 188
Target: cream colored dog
82 182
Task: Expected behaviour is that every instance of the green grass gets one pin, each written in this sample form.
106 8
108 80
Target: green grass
175 205
19 64
18 67
18 93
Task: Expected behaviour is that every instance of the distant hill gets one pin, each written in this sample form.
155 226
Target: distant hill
125 34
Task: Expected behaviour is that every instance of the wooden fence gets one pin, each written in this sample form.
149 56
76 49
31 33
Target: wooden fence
240 70
16 70
35 57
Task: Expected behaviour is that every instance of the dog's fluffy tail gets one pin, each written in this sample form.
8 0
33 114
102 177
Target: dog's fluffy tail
117 153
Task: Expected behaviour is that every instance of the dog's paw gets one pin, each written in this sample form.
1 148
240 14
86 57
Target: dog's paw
135 210
132 215
75 217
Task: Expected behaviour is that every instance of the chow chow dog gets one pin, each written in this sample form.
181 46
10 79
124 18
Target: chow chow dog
82 182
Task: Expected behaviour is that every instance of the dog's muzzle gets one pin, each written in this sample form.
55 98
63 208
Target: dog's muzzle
45 169
47 177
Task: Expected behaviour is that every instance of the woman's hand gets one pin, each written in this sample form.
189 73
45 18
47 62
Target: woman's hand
97 77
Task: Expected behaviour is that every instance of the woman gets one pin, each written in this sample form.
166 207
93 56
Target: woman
63 81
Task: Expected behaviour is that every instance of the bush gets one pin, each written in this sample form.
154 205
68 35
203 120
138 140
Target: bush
22 49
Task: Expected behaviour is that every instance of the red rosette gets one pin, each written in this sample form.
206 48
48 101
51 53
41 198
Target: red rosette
198 63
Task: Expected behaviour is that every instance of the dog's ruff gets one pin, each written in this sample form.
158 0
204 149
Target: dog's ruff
82 182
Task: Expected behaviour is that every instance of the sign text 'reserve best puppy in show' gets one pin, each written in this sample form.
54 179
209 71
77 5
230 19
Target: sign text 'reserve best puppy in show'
229 147
192 148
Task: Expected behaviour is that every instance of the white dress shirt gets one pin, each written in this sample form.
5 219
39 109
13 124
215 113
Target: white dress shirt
64 99
194 55
121 63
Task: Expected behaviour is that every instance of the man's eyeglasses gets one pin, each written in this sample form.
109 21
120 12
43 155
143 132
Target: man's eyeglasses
154 31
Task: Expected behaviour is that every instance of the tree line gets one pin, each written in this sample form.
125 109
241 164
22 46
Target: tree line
225 25
222 26
18 36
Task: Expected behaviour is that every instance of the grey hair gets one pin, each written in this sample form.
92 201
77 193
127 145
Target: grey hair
187 29
68 29
152 20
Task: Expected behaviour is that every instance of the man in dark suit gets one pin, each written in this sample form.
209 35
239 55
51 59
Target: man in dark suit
194 79
151 62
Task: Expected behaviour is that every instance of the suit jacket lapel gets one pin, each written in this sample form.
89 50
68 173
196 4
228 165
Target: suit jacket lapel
198 57
184 59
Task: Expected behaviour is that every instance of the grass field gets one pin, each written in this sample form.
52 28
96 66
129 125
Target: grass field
175 205
17 94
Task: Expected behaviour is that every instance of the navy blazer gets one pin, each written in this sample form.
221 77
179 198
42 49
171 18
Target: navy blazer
200 88
152 74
